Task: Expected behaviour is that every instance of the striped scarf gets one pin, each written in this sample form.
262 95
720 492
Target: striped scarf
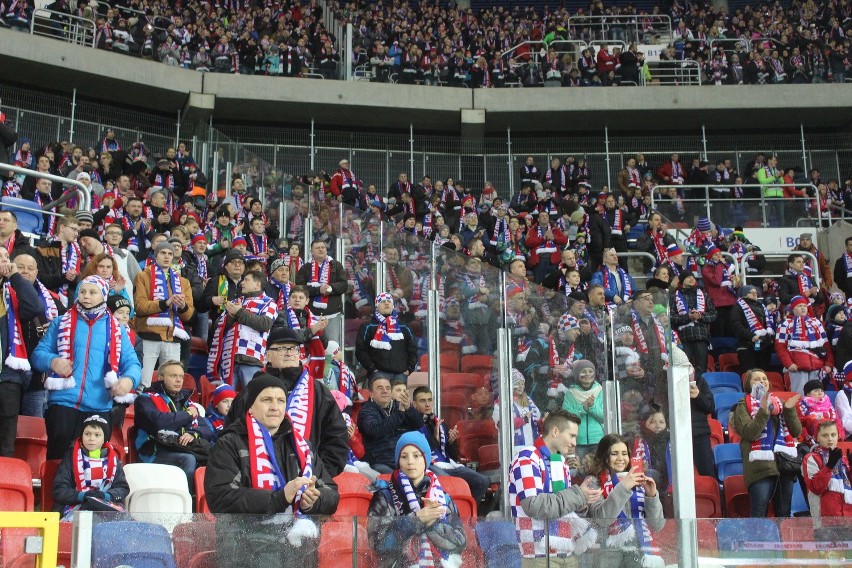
770 441
164 286
388 328
527 432
47 300
802 332
283 293
65 342
17 357
259 244
71 257
755 326
624 529
426 551
839 482
642 342
233 338
641 449
682 304
91 473
347 383
201 264
626 289
659 247
320 276
617 226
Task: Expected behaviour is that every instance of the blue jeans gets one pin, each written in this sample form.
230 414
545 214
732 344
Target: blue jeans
778 489
243 374
478 483
34 403
180 459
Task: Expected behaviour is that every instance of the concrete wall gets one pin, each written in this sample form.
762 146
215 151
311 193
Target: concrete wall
51 64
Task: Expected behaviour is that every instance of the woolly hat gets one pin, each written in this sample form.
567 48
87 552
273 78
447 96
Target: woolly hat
383 297
259 383
798 301
832 312
98 421
198 238
580 365
233 255
88 233
99 282
746 290
622 330
116 302
417 440
518 378
241 240
283 335
704 225
659 309
568 322
276 264
84 216
223 392
165 245
332 348
770 300
711 251
679 358
673 250
813 384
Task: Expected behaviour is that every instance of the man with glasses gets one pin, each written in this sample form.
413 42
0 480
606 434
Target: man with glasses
60 262
222 288
91 245
311 405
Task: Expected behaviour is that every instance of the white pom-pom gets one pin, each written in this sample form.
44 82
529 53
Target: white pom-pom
110 379
128 398
58 383
651 561
302 529
452 561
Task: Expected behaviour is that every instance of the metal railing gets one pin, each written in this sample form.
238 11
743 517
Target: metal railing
81 190
73 29
672 72
709 201
572 47
777 254
631 28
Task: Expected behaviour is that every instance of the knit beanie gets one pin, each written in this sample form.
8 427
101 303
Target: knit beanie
260 382
811 385
746 290
798 301
578 366
413 438
223 392
98 421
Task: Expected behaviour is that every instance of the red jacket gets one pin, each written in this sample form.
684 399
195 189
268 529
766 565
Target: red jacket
817 478
534 242
606 62
713 276
805 360
664 172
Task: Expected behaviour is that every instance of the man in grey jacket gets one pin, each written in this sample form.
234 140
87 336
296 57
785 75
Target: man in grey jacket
540 490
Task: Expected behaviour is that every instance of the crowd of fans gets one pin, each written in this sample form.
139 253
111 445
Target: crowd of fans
162 258
433 43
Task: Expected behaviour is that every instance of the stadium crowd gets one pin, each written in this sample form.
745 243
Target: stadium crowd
164 265
436 43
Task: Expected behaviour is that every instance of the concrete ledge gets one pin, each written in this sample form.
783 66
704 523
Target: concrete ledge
51 64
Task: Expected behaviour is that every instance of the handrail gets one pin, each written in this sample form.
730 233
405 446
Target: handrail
638 254
680 72
86 196
763 200
634 21
777 254
843 210
58 23
537 45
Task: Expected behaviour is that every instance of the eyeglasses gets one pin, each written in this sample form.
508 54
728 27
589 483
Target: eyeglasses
291 349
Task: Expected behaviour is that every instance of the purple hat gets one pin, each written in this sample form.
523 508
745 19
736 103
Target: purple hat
704 225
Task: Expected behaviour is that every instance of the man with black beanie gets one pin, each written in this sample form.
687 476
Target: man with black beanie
317 415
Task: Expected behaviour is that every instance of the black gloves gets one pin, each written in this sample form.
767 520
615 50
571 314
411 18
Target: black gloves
834 457
96 494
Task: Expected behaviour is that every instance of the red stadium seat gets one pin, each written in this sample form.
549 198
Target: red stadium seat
717 433
191 539
449 361
727 359
737 502
198 345
190 383
459 490
489 457
453 407
460 382
355 496
200 495
206 559
47 474
480 364
31 443
336 546
474 434
16 486
711 363
708 503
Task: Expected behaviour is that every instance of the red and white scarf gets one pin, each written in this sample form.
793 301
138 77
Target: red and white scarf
388 328
625 289
659 246
91 473
320 276
259 244
17 357
239 339
163 287
682 304
71 257
839 482
617 227
47 298
804 282
426 552
755 326
642 342
770 441
623 531
65 345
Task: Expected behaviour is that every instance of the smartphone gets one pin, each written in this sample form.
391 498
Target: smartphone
637 463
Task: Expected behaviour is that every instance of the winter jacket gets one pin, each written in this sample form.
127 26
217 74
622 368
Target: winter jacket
328 431
338 281
90 364
29 308
686 328
228 479
591 419
65 486
381 428
613 285
713 276
700 407
805 359
788 287
401 357
534 241
150 420
824 503
645 243
390 531
739 326
146 307
618 501
750 429
50 273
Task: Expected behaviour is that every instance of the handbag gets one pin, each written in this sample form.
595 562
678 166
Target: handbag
788 466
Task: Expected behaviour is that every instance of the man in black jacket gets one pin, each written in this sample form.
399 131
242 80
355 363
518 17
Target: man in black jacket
326 281
222 288
327 433
8 136
240 479
692 312
386 347
382 421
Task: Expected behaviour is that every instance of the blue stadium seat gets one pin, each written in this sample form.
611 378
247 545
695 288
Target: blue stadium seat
723 382
499 542
732 533
799 505
729 460
725 401
142 545
28 221
831 395
724 345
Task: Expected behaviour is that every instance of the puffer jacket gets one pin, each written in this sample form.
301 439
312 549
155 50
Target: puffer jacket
824 502
90 363
390 531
